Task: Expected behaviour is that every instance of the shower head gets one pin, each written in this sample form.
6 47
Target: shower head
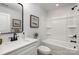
74 7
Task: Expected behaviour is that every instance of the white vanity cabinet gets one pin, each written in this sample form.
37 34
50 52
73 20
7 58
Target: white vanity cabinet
30 49
27 46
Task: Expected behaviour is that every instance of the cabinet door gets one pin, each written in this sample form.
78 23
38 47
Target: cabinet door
30 51
26 50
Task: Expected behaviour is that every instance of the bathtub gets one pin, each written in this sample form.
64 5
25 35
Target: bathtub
60 47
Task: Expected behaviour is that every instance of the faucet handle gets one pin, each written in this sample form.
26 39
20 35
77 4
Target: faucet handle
75 36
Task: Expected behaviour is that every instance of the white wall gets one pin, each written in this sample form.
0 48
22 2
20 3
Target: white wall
57 20
39 12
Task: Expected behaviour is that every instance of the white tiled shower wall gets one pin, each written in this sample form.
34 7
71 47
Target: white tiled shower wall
59 30
59 15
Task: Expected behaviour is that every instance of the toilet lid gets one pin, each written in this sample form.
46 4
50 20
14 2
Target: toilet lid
44 48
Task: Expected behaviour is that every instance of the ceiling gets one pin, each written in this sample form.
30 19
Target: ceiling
45 6
52 6
14 6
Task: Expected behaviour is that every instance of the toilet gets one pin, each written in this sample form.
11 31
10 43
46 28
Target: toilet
44 50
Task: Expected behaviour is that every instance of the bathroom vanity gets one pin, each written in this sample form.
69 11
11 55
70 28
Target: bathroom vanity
27 46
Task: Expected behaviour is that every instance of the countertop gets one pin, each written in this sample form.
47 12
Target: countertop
10 46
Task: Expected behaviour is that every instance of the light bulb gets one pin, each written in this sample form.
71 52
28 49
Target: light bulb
57 5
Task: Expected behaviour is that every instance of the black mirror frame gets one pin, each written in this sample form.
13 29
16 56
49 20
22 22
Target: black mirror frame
22 16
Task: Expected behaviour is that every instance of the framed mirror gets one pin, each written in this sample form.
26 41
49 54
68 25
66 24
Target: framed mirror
11 18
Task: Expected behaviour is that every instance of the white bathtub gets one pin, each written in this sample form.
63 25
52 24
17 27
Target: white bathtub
60 47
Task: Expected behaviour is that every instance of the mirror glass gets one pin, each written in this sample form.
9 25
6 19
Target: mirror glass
10 17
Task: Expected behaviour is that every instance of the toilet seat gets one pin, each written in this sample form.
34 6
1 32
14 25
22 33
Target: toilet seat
44 50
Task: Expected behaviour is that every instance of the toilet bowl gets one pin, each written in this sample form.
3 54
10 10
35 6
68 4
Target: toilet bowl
44 50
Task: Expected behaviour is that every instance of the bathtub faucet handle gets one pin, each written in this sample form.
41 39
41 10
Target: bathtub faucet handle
75 36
